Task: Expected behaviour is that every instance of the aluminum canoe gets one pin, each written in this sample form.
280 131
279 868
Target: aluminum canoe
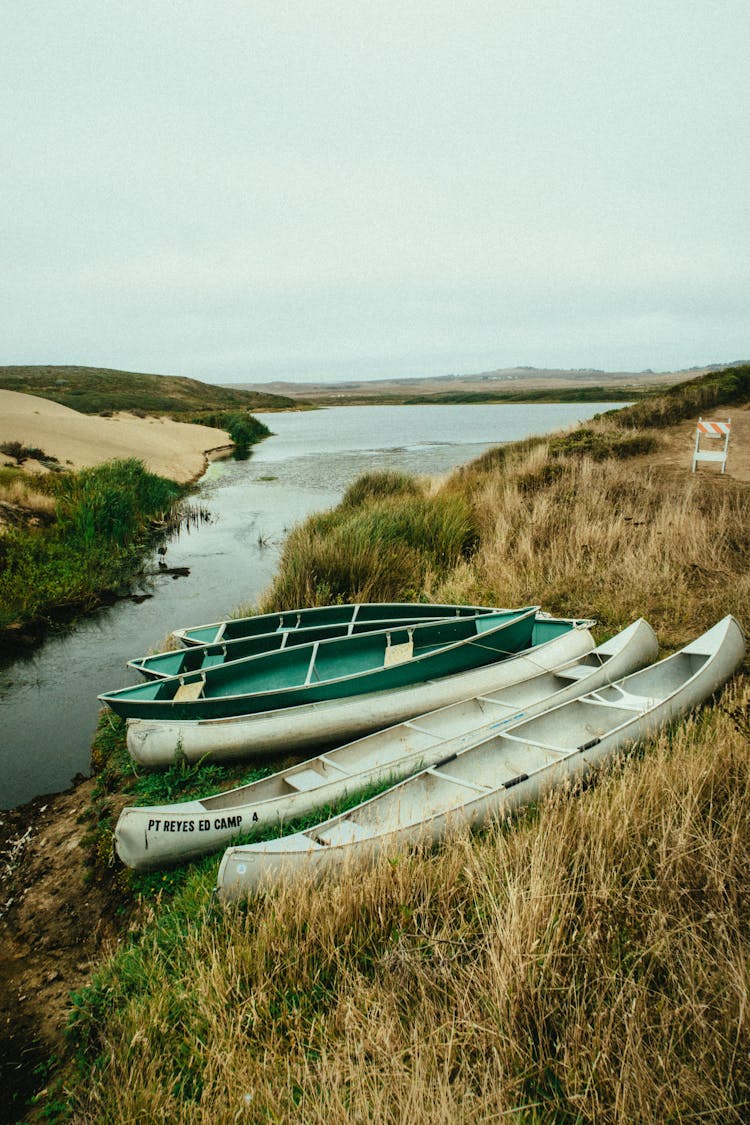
506 770
287 630
301 729
148 837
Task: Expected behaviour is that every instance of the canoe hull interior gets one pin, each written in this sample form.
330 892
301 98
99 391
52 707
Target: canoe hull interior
361 614
354 619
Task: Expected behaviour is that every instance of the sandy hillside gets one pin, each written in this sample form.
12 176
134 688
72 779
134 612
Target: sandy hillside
177 450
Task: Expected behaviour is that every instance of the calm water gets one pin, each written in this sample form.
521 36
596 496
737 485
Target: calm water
48 700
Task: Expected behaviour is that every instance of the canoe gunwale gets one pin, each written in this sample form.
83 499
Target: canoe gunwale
149 665
325 723
313 612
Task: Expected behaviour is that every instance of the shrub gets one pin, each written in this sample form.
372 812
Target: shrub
377 551
601 444
243 428
379 486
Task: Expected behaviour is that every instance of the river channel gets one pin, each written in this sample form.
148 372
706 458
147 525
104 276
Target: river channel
48 699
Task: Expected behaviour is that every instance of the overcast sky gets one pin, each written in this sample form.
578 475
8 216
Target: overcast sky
261 190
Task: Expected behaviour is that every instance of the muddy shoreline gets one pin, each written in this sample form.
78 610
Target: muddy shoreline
59 916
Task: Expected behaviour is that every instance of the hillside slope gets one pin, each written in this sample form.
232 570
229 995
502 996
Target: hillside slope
93 390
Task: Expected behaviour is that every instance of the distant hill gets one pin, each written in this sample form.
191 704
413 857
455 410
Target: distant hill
510 384
94 390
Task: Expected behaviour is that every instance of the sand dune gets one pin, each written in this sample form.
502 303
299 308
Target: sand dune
177 450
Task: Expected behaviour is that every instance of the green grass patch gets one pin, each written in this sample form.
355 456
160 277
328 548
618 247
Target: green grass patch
379 486
100 533
602 444
379 550
697 396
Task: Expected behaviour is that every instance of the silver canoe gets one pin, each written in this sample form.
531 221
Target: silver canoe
295 730
157 835
506 770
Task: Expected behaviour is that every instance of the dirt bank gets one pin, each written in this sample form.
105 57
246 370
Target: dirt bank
55 922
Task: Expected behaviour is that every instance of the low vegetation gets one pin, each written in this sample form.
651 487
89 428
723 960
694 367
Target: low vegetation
585 961
101 519
242 427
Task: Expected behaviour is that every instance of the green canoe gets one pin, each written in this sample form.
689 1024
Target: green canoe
373 614
330 669
297 627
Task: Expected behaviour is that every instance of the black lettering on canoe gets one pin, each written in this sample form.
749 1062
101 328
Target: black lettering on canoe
225 822
516 780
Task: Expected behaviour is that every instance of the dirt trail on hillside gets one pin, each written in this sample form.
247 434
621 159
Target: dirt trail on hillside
56 924
676 446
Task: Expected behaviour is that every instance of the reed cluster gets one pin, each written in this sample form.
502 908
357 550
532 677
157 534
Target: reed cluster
378 545
102 518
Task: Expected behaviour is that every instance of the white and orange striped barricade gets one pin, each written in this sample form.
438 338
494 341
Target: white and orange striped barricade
714 431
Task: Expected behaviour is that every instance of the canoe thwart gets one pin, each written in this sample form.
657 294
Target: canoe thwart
343 832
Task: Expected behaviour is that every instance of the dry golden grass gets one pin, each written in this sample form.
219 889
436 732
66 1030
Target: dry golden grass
589 962
613 540
22 494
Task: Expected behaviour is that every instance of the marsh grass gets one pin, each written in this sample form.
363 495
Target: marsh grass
584 962
687 400
20 489
604 540
101 529
374 550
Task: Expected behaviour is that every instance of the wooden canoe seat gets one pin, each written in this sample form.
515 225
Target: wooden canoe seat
304 780
187 692
398 654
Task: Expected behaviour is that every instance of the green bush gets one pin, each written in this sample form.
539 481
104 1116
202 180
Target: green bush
243 428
